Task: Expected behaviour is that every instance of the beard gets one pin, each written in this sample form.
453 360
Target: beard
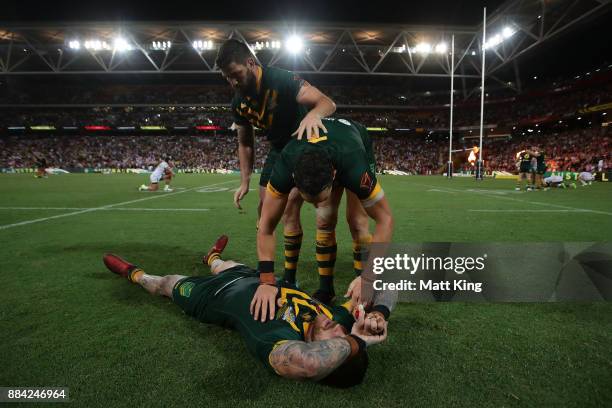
251 84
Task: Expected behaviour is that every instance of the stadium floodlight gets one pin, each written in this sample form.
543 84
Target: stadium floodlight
121 45
203 45
494 41
294 44
441 48
260 45
161 45
498 38
96 45
422 48
74 45
507 32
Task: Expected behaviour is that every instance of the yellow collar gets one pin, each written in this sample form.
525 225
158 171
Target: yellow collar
259 75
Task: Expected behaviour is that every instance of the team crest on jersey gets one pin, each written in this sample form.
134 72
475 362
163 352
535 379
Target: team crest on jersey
366 181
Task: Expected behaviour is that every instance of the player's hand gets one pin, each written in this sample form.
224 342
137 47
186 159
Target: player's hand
264 302
242 191
362 329
311 124
375 323
354 292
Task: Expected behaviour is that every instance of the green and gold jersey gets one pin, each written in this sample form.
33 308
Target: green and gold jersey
525 161
225 300
274 108
349 146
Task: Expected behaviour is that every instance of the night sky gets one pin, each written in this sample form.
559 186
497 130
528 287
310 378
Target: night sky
405 11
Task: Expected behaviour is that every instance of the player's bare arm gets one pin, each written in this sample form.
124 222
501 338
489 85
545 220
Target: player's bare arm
322 106
246 156
263 306
299 360
380 212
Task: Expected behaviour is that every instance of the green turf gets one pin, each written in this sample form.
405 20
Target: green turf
66 321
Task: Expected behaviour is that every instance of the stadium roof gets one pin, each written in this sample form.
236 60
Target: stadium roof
366 49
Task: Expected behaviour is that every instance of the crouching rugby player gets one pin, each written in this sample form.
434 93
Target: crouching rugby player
304 341
321 169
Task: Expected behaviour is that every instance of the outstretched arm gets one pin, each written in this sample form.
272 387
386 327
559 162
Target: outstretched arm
322 106
314 361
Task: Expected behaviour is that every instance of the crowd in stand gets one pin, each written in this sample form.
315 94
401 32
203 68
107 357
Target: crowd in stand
503 113
417 154
420 149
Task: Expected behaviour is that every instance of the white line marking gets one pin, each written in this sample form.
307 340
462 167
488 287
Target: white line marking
522 201
104 207
532 211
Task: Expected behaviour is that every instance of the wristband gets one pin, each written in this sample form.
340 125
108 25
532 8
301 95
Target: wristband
267 278
382 309
357 345
266 272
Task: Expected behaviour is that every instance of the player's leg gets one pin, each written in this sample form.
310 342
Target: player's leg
153 186
213 257
326 247
519 179
155 285
167 182
359 225
292 234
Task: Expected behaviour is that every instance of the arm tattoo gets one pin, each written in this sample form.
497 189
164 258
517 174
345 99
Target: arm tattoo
309 361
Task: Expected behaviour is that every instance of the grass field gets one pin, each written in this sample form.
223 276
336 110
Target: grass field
66 321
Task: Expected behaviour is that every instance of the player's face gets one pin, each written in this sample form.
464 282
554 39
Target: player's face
324 329
240 76
319 198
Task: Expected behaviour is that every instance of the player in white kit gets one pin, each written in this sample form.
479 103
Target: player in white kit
164 172
556 181
586 178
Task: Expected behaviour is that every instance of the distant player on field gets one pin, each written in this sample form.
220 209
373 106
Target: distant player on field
321 169
164 172
540 167
557 181
305 341
524 167
586 178
41 166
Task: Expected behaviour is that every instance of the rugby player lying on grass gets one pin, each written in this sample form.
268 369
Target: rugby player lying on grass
321 169
305 341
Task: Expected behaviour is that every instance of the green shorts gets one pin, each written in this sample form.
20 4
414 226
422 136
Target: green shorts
200 296
266 172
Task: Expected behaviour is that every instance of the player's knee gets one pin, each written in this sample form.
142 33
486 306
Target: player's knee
327 218
167 284
358 225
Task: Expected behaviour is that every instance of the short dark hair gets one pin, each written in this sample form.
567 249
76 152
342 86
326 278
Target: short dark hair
313 171
232 50
350 373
